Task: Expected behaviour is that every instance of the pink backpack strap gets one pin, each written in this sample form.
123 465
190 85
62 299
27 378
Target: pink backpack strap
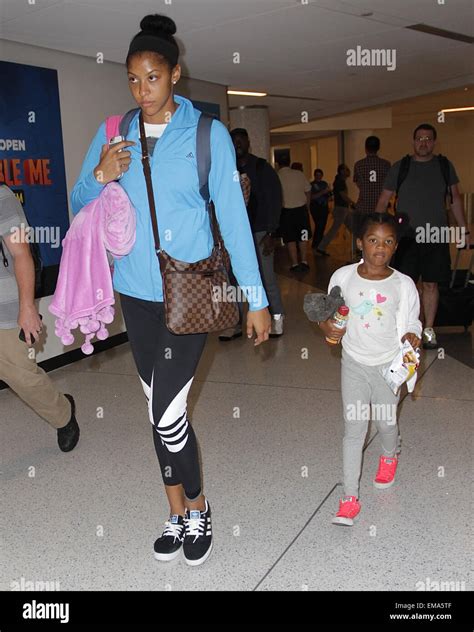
112 124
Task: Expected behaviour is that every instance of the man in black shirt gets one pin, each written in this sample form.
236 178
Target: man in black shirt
264 208
319 206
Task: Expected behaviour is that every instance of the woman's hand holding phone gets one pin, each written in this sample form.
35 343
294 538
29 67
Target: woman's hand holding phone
114 161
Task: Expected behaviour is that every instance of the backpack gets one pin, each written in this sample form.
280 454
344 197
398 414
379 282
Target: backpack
121 124
404 221
405 168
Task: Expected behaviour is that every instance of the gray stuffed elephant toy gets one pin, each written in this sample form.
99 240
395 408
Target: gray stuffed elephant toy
319 307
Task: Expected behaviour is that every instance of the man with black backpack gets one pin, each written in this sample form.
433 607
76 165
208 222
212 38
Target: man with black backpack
20 325
262 190
423 184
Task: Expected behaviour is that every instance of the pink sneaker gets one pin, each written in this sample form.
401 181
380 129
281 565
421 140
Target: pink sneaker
349 508
386 472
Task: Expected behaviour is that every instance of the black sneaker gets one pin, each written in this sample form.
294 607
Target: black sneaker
68 436
168 546
198 536
231 334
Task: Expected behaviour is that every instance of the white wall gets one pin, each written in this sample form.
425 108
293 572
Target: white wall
89 92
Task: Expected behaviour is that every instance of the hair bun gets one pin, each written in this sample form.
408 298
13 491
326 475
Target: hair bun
158 24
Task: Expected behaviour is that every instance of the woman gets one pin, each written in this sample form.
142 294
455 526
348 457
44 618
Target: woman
342 204
167 363
319 206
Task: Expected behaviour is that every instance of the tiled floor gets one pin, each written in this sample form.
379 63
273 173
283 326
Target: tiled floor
88 519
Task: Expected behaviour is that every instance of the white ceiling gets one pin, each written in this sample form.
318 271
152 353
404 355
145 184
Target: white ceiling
286 47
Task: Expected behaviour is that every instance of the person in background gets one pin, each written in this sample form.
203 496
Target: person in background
342 205
319 206
369 176
262 195
298 166
423 196
18 312
294 223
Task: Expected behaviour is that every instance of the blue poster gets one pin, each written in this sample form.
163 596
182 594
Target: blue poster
32 154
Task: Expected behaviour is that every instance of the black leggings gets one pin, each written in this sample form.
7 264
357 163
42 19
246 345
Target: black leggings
166 366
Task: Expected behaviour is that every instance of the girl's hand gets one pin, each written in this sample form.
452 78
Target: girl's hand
261 322
112 163
331 331
412 339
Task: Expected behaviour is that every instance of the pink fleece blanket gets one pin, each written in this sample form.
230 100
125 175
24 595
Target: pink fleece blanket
84 294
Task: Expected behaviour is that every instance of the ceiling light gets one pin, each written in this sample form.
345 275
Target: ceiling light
466 109
431 30
243 93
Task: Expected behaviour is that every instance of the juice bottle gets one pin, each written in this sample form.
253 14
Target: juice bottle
340 320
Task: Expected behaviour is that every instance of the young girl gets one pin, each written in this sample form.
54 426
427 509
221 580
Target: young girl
167 363
384 310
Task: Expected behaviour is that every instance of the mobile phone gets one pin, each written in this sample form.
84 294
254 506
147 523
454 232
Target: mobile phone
115 140
22 337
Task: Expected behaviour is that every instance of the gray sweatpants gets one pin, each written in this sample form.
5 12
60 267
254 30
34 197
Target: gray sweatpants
365 395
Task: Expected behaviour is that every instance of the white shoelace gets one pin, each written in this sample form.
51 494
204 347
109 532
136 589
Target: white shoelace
173 530
195 526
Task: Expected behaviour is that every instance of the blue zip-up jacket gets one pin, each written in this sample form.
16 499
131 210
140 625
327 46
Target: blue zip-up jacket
183 221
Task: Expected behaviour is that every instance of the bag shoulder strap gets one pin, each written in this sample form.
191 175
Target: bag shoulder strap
445 170
403 171
203 154
149 185
4 257
126 120
112 126
119 124
203 157
204 161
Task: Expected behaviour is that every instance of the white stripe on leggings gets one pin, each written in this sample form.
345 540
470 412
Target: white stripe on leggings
176 409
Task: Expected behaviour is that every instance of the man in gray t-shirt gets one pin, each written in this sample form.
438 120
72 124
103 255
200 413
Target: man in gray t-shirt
422 194
18 310
422 198
12 218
